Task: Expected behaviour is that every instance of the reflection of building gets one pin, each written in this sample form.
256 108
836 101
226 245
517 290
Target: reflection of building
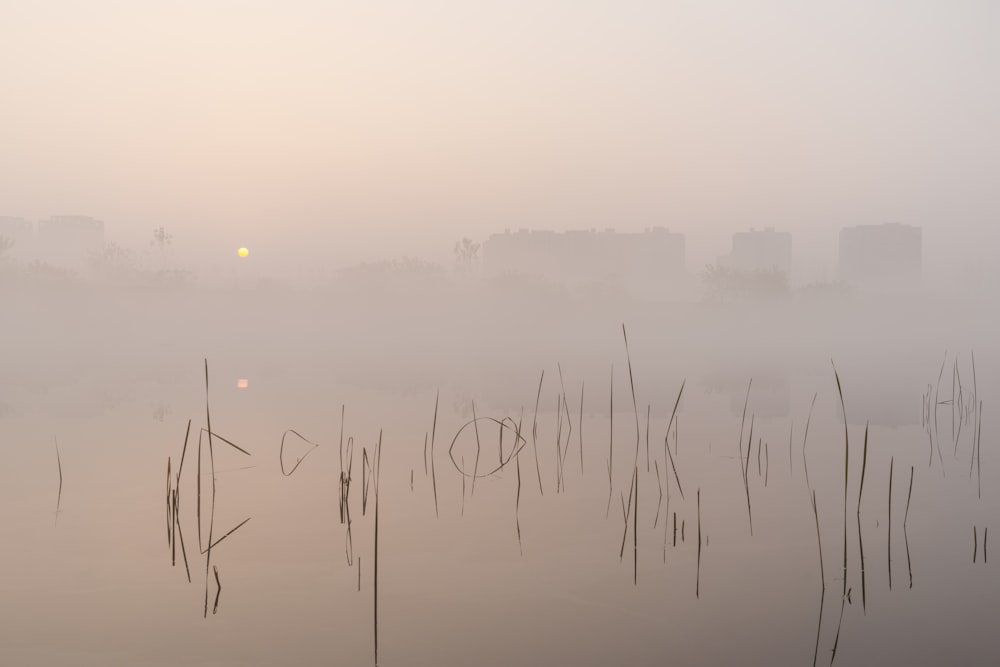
760 250
881 255
69 240
641 263
18 231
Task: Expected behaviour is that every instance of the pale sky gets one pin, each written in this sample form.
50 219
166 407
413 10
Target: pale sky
360 129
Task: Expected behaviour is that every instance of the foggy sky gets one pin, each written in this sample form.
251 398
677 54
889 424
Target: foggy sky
354 130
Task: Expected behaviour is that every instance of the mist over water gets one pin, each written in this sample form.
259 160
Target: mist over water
549 333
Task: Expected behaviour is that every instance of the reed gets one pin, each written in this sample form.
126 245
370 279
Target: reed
198 483
666 444
218 590
822 576
627 509
579 430
805 438
59 467
861 556
666 523
677 440
906 539
517 506
534 437
659 503
475 466
611 440
861 544
180 534
559 457
298 462
635 404
378 465
180 466
211 457
746 473
847 450
743 421
215 544
635 531
343 479
864 463
979 454
673 467
563 450
937 402
170 516
767 463
366 473
697 578
437 398
889 533
345 498
228 442
648 410
172 507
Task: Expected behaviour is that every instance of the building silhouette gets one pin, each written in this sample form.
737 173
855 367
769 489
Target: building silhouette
69 240
643 264
760 250
887 256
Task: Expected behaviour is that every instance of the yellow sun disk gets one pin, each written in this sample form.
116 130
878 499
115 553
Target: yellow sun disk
242 252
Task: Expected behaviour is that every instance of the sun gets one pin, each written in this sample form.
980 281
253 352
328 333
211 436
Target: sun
243 252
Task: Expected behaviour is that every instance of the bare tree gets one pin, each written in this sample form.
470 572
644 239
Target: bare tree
161 243
466 255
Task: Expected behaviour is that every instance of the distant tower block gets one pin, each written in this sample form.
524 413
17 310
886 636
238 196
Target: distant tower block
760 250
882 257
70 240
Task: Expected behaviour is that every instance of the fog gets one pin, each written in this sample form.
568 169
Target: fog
627 236
333 133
